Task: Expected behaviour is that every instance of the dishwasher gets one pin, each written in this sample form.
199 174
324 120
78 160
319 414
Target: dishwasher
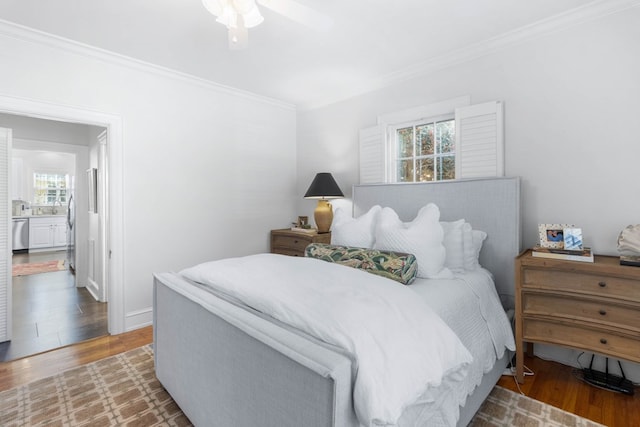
20 234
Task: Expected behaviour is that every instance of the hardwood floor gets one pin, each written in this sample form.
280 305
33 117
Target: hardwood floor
23 371
559 386
49 311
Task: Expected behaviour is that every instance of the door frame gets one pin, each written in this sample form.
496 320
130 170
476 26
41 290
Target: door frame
113 258
6 333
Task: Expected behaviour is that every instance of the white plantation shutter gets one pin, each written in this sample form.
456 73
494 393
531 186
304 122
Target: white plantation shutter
373 159
5 235
480 140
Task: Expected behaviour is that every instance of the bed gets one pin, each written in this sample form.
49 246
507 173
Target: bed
226 364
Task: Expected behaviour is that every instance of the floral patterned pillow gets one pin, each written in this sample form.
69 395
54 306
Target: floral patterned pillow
397 266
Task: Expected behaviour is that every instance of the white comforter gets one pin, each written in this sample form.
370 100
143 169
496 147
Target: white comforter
402 348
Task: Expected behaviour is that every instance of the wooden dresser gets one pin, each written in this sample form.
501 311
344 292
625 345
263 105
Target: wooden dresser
288 242
593 307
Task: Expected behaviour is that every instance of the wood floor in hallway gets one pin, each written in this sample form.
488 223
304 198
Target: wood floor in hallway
49 311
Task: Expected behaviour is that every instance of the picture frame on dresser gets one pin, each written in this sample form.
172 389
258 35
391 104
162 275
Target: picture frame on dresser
552 235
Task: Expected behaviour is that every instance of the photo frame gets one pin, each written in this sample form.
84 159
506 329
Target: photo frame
552 235
573 239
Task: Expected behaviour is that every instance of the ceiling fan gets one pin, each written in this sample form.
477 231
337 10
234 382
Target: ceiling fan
239 15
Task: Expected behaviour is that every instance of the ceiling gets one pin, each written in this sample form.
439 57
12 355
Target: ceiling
371 42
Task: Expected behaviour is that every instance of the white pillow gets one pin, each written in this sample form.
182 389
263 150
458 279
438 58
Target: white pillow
454 233
473 240
357 232
421 237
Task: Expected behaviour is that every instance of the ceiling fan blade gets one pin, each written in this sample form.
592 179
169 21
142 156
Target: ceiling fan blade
299 13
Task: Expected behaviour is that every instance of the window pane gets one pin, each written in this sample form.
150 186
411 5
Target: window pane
424 139
446 134
446 167
405 171
425 169
405 142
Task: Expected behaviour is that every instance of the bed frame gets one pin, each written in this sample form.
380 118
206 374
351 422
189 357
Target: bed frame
226 366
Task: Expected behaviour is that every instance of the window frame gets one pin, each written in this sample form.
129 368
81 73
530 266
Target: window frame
393 148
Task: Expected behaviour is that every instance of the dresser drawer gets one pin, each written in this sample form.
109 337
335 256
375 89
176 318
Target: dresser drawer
590 284
618 316
582 337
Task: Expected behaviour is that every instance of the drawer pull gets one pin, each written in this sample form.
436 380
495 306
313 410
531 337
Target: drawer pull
603 341
295 241
602 312
602 284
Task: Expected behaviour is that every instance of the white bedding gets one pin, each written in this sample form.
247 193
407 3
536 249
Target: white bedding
404 351
470 306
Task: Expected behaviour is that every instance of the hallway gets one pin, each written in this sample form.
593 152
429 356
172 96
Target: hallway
49 311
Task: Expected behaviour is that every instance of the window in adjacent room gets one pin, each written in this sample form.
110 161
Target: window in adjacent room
50 188
424 150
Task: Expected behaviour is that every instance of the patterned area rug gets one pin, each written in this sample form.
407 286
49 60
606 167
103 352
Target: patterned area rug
504 408
38 267
122 390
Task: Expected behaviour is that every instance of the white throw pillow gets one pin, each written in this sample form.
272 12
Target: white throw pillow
454 243
473 240
421 237
357 232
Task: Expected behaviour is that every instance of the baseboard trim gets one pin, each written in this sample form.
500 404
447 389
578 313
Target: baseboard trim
138 319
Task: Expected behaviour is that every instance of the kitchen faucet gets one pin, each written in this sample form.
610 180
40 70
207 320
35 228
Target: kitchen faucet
54 210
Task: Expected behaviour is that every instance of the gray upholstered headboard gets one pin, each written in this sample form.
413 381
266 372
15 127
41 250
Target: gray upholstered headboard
491 205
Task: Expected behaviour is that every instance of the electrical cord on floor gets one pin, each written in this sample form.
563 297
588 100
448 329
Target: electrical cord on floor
511 371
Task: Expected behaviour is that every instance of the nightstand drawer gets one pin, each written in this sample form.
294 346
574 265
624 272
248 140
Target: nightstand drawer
288 242
617 316
296 243
585 338
590 284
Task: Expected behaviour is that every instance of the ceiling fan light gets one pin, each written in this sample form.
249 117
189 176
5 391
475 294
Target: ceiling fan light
228 17
252 17
213 6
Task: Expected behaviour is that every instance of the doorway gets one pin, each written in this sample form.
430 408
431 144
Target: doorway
113 259
50 160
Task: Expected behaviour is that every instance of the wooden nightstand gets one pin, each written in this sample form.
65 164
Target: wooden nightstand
588 306
288 242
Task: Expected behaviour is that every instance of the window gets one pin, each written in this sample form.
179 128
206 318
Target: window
460 141
50 188
424 151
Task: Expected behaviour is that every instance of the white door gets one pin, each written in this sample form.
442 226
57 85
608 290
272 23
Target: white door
5 235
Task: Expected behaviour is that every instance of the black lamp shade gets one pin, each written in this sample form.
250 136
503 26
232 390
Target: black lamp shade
323 187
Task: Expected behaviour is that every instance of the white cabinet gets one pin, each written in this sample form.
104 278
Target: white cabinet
47 232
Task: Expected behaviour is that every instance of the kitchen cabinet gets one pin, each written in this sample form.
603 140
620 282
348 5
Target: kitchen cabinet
47 232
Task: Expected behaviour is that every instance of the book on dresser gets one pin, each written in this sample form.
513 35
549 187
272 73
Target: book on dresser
583 255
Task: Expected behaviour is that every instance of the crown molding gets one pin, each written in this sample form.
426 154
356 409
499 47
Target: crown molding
31 35
580 15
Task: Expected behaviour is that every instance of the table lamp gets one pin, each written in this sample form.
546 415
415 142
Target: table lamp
323 187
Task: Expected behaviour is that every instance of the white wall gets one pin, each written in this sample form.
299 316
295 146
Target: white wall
571 111
572 103
207 171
